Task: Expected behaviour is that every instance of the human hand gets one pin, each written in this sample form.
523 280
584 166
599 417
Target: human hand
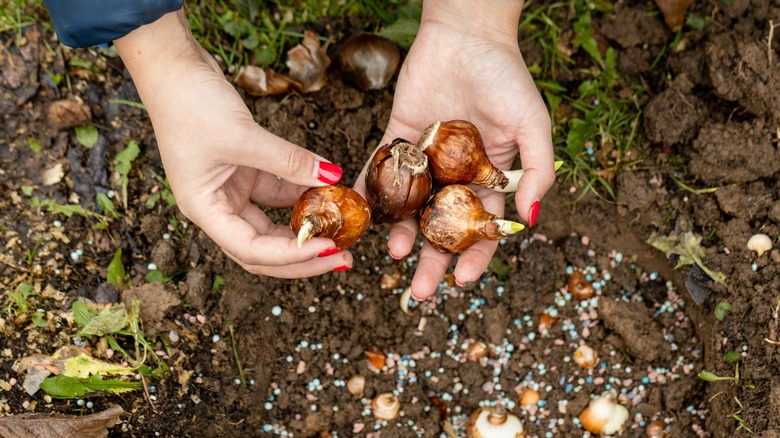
465 63
219 161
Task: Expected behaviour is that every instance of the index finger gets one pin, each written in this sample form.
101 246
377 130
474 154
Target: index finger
534 140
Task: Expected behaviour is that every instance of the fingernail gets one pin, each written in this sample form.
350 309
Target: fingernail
328 251
393 256
416 298
464 285
533 212
342 268
328 173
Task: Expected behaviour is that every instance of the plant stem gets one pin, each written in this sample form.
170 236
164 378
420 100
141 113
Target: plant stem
235 354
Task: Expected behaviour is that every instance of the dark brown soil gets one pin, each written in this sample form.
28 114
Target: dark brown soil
711 120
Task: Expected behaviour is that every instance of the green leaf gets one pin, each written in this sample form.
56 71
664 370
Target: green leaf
251 41
404 30
84 365
25 289
553 100
580 131
157 373
551 86
610 71
65 387
107 205
151 201
114 386
87 135
499 267
219 281
34 145
129 103
124 162
37 319
157 276
110 320
124 159
81 313
61 386
708 376
27 190
590 87
168 197
83 63
68 209
721 309
55 77
731 357
696 22
116 270
264 56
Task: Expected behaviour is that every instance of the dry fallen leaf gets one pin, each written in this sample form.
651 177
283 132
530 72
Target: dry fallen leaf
67 113
52 175
264 81
674 12
308 62
38 425
70 360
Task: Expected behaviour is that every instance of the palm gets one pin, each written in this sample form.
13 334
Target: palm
448 75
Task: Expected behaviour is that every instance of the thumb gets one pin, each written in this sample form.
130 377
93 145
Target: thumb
265 151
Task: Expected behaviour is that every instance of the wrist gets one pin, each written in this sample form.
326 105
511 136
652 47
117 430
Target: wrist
156 51
488 18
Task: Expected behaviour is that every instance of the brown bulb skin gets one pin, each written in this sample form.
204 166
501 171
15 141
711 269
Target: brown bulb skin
369 61
455 219
398 182
336 212
457 155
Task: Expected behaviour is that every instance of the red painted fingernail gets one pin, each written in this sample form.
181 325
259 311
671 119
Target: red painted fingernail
533 212
328 251
342 268
329 173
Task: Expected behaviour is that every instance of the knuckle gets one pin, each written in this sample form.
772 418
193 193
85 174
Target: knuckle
297 160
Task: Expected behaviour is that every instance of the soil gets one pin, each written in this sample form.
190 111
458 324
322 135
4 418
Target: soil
710 166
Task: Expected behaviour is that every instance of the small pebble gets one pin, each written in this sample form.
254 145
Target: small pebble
215 339
276 311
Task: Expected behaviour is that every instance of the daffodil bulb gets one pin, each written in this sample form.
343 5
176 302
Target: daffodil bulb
604 416
494 422
386 406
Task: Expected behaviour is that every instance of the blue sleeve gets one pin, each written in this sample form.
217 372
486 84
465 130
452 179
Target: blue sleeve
84 23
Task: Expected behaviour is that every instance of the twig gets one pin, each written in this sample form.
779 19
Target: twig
146 394
235 354
769 42
8 261
772 339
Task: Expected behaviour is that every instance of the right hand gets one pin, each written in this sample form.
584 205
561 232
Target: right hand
218 160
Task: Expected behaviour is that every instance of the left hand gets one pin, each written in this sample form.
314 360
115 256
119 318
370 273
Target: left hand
460 68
